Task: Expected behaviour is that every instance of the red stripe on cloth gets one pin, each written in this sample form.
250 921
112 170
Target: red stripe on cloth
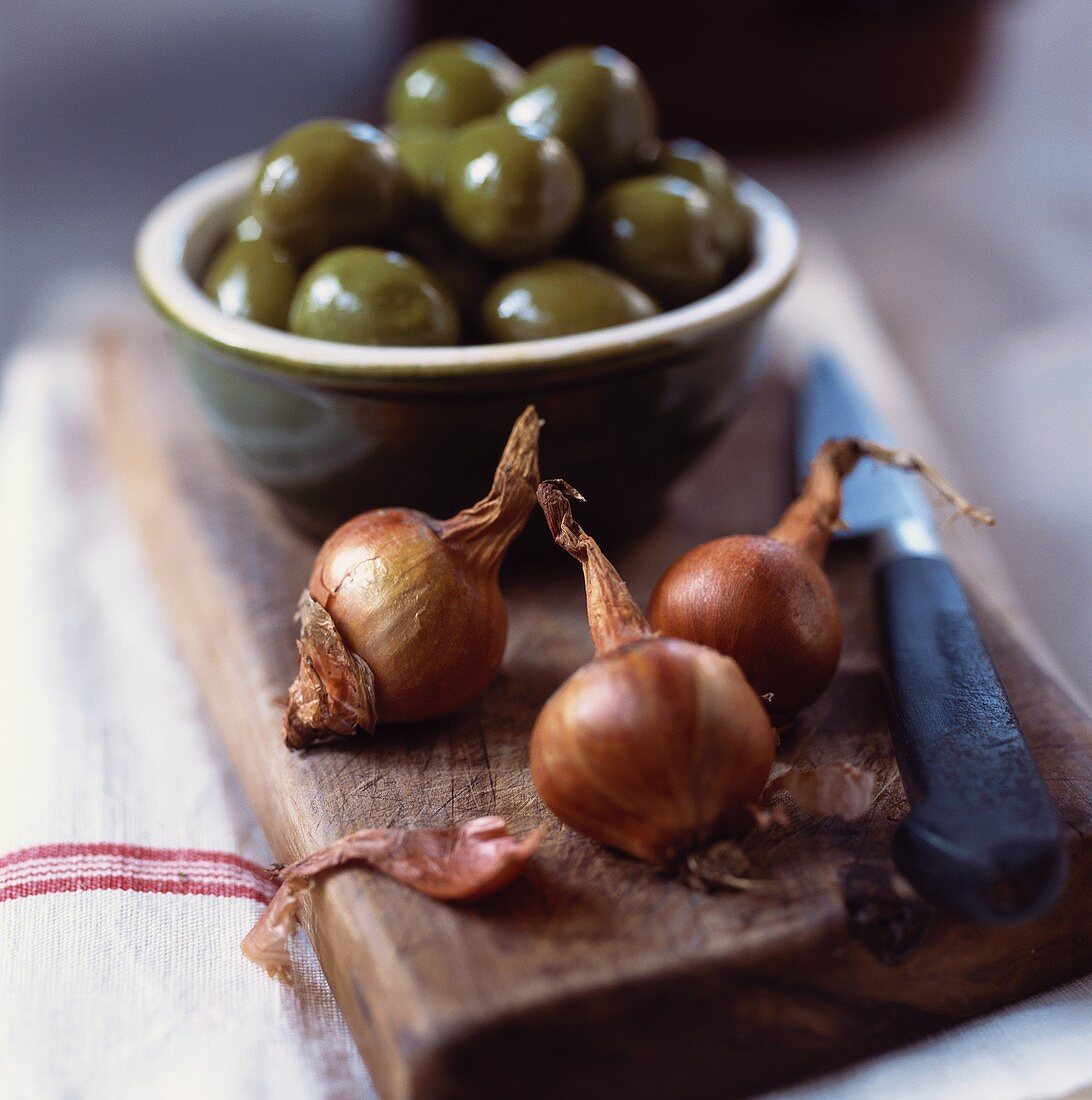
29 872
68 868
133 851
74 883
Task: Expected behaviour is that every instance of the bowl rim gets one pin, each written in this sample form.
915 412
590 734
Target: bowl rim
166 233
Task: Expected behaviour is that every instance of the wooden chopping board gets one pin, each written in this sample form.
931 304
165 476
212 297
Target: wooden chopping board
594 976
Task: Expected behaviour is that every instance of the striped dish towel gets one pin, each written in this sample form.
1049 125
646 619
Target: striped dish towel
130 867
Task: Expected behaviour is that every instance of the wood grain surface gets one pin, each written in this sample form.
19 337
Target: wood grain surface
594 976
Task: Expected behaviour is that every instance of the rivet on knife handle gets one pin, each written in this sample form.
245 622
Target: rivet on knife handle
983 837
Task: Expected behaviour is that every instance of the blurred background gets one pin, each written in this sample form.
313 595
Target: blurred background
946 145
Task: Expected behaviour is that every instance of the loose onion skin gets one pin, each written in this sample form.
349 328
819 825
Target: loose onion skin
403 619
658 745
462 863
764 600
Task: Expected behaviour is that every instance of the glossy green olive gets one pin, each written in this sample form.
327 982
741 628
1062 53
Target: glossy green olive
329 183
663 232
422 150
252 279
597 102
699 164
509 193
559 297
368 296
447 83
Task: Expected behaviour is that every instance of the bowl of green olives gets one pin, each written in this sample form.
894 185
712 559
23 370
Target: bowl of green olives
362 312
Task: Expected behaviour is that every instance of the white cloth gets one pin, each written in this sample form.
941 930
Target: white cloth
130 864
1039 1049
120 969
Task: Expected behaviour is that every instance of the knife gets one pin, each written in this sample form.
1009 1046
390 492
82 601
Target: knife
982 838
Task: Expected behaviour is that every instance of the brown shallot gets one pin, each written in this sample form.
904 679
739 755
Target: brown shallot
403 619
657 745
764 599
462 863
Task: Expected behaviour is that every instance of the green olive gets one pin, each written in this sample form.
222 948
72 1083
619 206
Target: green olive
447 83
329 183
510 193
663 233
422 150
252 279
558 297
368 296
699 164
597 102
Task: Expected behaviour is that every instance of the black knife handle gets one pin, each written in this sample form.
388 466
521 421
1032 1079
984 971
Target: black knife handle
983 837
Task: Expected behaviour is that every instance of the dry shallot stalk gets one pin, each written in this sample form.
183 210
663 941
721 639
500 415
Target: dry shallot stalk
462 863
765 600
404 619
657 746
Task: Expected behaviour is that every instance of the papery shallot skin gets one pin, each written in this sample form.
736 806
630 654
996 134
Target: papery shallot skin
836 789
460 863
431 630
655 748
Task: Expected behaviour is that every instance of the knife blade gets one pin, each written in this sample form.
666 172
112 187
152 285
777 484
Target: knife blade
983 837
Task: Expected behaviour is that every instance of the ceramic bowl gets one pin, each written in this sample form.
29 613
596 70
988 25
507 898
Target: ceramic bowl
333 429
